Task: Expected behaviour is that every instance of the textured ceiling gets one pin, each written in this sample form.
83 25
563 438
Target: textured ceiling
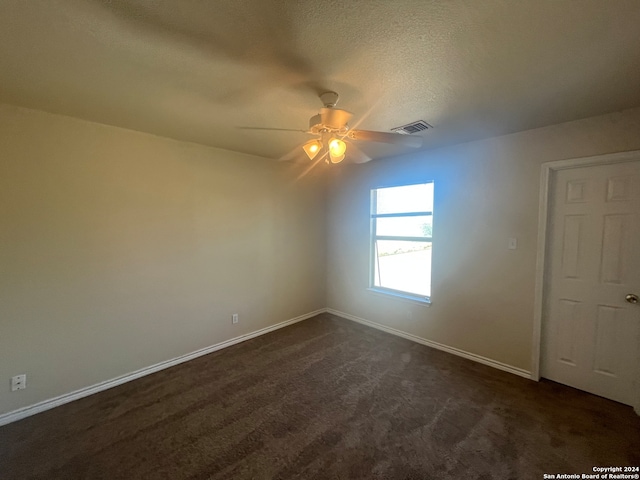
197 70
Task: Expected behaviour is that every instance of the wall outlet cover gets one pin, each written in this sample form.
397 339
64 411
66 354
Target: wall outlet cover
19 382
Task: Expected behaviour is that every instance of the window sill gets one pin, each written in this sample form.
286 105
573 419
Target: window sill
403 297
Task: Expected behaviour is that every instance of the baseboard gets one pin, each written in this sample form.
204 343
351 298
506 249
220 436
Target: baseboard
114 382
455 351
99 387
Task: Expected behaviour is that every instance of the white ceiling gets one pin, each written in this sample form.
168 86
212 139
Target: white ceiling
197 70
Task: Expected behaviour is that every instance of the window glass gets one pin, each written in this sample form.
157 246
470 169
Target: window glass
404 226
401 240
403 266
405 199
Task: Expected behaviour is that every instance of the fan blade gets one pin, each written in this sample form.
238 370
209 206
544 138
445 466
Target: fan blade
274 129
295 155
356 155
384 137
334 117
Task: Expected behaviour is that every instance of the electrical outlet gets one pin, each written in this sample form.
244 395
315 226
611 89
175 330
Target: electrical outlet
234 318
19 382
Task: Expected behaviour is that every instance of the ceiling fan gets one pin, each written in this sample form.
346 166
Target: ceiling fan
335 137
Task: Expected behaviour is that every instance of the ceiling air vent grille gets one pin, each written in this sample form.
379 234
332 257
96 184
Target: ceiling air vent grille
413 127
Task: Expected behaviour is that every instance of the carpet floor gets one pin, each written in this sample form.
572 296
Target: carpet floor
324 399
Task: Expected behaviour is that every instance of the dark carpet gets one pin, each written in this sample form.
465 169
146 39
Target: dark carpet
324 399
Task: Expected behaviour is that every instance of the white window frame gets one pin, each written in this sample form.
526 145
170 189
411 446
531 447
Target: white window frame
373 215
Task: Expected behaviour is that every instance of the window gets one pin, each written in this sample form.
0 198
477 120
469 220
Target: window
401 232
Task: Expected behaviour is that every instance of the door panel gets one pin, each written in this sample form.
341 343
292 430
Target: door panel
590 334
616 228
571 243
606 341
568 320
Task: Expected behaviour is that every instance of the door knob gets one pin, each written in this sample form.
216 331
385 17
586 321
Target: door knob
631 298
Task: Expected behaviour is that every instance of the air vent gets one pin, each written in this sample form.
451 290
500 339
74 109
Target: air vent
413 127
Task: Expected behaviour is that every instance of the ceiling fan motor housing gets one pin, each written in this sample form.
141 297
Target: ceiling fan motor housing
330 120
314 123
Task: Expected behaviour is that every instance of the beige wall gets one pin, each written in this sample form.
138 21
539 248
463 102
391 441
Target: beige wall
119 250
485 192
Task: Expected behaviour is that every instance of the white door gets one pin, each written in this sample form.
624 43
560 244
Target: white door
591 332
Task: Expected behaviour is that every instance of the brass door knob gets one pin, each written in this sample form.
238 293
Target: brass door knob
631 298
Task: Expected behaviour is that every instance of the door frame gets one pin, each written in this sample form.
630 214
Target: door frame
546 175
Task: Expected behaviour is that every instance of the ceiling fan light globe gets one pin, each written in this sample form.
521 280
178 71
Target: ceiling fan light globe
312 148
336 159
337 147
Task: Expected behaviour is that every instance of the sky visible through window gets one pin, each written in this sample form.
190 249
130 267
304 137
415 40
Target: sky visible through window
408 198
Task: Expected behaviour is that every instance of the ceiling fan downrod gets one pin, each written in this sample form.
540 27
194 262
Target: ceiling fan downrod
329 99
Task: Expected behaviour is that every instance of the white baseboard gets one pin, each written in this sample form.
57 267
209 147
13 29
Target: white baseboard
455 351
114 382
